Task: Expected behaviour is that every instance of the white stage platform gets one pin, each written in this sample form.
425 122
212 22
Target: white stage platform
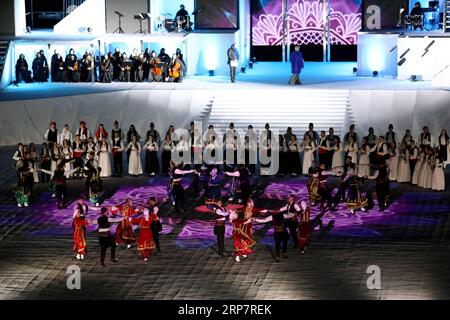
329 89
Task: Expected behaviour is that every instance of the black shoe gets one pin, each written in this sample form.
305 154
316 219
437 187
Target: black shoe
285 255
103 264
277 259
114 260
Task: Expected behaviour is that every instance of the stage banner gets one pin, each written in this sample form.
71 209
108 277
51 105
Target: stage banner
306 22
217 14
383 14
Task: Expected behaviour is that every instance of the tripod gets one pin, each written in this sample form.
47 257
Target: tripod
119 29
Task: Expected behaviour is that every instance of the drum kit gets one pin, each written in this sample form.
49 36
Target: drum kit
165 23
415 20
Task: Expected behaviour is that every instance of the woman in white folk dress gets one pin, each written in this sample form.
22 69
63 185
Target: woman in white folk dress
364 159
438 183
337 163
308 153
404 171
67 154
393 161
351 148
426 171
418 168
134 162
104 159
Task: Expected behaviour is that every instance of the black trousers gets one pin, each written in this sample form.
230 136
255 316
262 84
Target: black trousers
412 165
179 196
292 226
281 240
61 194
118 163
105 243
233 73
155 232
382 193
219 231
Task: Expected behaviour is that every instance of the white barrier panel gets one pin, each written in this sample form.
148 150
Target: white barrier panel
424 57
90 14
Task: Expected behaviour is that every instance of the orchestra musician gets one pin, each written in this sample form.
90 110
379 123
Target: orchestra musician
156 71
174 69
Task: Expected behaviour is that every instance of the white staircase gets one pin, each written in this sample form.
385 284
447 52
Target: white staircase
3 51
282 109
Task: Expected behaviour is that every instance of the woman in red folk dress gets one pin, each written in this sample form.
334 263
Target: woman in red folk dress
145 243
304 228
243 231
79 227
124 231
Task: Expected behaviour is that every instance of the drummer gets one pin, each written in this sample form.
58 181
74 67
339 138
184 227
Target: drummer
183 16
417 11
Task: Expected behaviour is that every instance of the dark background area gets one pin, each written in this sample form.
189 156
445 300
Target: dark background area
310 53
34 8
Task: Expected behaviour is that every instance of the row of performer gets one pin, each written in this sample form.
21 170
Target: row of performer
118 66
292 221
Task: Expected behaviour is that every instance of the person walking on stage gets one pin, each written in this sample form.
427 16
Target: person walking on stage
304 228
79 231
145 243
105 239
297 64
242 232
233 61
280 233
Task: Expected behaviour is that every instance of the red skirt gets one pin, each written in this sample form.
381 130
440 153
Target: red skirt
242 238
79 241
124 233
304 235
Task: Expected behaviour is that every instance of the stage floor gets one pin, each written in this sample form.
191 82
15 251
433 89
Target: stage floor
409 242
265 75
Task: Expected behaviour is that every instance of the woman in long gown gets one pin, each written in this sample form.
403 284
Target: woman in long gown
151 156
337 164
104 159
294 156
145 242
418 168
438 183
243 231
309 148
426 172
393 162
364 159
404 171
351 149
134 162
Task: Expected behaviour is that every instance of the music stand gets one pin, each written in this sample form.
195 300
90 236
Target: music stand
141 17
119 29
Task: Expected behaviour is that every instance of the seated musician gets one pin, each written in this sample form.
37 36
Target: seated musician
174 69
156 71
183 16
418 11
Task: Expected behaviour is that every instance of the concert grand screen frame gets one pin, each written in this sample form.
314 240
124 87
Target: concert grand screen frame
306 23
219 5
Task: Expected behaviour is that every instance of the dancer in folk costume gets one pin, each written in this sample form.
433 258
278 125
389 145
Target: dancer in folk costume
304 228
221 213
124 231
145 242
79 228
243 231
382 185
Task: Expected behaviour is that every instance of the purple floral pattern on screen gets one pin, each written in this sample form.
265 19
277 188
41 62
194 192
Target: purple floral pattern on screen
307 23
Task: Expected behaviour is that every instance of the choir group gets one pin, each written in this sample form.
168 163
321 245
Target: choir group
117 66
